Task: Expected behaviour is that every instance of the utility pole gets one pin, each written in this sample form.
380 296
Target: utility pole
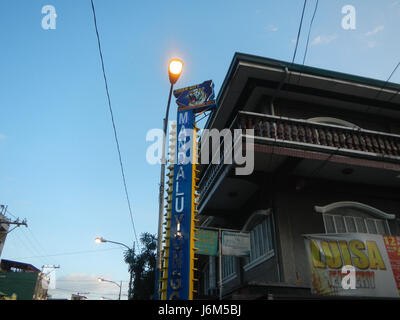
50 267
6 222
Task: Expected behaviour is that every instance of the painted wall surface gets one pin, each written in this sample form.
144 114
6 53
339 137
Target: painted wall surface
22 284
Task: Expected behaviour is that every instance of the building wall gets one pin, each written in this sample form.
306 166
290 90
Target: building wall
22 284
295 216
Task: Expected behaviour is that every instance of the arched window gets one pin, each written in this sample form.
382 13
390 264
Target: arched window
334 121
354 217
259 224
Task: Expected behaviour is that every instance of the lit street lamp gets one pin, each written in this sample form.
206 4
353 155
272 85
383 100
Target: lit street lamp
101 240
175 68
116 283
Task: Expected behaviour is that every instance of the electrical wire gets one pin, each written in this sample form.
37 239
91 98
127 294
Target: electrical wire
28 249
32 239
298 37
113 122
299 31
72 253
387 81
397 92
308 38
309 31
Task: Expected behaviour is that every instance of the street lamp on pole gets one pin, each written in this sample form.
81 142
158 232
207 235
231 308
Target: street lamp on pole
175 68
116 283
101 240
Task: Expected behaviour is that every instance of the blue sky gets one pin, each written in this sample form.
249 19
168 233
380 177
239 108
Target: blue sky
59 166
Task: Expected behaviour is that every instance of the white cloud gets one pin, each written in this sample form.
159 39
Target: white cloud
86 285
375 31
322 39
272 28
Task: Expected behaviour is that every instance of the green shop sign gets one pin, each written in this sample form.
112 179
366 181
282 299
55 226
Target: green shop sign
207 242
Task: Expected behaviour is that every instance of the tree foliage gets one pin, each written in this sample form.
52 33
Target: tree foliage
142 268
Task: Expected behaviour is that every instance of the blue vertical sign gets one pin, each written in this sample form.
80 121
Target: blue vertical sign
180 268
180 246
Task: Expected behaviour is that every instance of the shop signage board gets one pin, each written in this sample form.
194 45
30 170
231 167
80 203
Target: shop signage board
375 258
207 242
235 243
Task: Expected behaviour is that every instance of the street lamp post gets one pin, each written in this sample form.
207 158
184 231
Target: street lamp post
174 71
101 240
116 283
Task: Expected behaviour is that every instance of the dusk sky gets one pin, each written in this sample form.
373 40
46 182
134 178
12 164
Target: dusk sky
59 165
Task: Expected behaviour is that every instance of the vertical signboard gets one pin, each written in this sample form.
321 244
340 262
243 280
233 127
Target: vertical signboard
179 248
180 265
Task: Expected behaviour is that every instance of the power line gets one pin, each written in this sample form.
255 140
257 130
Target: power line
113 122
32 239
387 81
308 38
71 253
309 31
298 36
298 33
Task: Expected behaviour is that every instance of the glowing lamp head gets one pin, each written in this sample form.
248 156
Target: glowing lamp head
174 70
99 240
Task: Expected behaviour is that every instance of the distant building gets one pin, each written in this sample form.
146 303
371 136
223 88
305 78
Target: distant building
22 280
78 297
327 161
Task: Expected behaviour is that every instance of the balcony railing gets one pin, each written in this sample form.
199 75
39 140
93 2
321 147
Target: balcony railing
320 135
306 135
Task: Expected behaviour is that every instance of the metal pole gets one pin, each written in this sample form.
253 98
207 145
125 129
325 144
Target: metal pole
120 287
161 198
220 263
130 290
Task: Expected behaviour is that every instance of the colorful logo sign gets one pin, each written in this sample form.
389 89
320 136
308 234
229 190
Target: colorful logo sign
197 97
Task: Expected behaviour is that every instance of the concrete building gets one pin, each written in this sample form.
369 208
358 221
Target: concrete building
327 161
22 281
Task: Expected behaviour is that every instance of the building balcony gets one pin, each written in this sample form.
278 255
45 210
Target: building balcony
310 143
321 136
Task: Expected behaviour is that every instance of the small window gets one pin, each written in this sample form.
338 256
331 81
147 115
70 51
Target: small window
354 217
228 266
360 225
349 224
260 239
